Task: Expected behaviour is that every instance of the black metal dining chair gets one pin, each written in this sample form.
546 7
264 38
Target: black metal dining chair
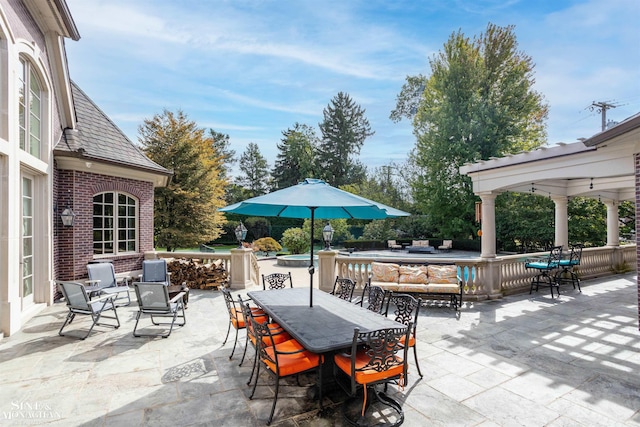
278 333
545 266
236 318
276 281
343 288
375 358
406 310
569 267
282 360
375 299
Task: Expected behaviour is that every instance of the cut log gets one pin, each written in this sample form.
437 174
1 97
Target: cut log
197 275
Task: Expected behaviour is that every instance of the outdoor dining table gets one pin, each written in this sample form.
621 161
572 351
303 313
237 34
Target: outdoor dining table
324 328
327 326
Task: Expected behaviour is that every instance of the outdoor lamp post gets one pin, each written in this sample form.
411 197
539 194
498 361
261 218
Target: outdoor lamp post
241 233
68 216
327 236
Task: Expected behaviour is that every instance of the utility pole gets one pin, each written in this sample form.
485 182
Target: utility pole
602 107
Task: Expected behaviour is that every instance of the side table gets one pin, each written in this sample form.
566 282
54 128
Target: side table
176 289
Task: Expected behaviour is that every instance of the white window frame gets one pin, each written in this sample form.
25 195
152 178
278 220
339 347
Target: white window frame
30 114
112 220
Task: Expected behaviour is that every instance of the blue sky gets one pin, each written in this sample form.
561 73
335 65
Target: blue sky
253 68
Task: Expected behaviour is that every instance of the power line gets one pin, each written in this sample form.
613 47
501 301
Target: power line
601 108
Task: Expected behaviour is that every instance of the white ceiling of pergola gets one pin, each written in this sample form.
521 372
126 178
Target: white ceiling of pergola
601 167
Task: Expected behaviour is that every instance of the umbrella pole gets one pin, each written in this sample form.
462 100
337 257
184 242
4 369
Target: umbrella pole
311 266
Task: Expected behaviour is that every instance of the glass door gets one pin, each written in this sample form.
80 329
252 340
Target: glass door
27 242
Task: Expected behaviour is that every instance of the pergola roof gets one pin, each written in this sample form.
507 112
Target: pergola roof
599 167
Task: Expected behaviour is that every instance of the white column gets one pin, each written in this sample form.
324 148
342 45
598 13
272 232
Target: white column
613 225
327 269
488 238
562 221
240 268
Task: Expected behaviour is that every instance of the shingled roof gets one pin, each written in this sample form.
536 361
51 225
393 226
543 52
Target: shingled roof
99 139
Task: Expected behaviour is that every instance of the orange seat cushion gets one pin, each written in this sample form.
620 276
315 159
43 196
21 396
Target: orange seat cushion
237 318
279 335
343 361
290 364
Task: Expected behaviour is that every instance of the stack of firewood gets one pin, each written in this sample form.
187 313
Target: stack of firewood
197 275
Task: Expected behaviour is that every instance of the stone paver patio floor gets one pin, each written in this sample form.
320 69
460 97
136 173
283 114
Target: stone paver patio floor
519 361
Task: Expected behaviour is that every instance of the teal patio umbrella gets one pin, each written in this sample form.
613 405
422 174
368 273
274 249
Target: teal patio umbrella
310 199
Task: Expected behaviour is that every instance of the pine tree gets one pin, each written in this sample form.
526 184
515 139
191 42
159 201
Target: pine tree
344 130
296 156
255 171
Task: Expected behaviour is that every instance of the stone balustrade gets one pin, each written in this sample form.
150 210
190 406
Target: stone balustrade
483 278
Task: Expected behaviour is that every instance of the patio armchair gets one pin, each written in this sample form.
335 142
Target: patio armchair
392 245
446 245
78 302
544 266
155 270
153 299
102 280
376 357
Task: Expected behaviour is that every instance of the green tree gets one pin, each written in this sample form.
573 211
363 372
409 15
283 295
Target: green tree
340 230
185 211
378 230
524 222
477 103
344 130
222 146
295 240
267 244
257 227
627 215
384 185
296 156
587 221
255 171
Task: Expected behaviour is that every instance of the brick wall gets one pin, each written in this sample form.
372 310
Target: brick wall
73 246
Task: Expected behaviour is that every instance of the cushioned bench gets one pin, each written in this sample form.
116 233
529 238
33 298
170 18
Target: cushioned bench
426 280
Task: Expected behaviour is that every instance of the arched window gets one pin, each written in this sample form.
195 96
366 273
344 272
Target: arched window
30 109
115 223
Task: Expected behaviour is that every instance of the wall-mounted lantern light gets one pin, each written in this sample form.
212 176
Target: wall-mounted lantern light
68 216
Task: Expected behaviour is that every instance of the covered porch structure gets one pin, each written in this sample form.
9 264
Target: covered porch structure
605 166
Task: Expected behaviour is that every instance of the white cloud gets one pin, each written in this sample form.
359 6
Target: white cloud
253 68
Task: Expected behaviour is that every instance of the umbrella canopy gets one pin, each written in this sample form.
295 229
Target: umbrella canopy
329 203
313 198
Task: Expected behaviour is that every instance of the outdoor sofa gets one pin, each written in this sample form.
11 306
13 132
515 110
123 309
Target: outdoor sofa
434 281
420 246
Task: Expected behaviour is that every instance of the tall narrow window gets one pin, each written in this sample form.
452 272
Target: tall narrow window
29 109
27 240
115 223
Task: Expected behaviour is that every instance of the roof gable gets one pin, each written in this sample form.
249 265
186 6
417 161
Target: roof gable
99 139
